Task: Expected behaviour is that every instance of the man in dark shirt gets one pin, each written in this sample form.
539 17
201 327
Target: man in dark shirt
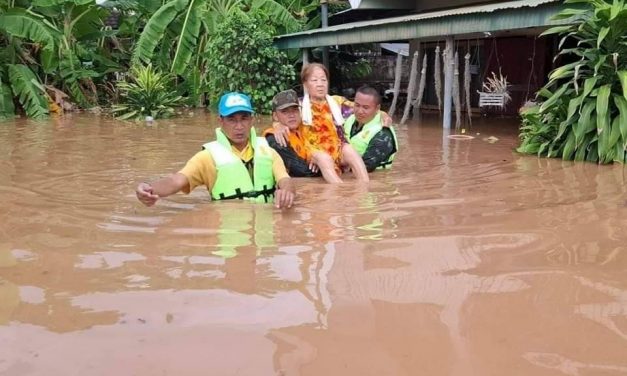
376 144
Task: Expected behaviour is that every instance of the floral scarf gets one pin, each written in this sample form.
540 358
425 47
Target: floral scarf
323 134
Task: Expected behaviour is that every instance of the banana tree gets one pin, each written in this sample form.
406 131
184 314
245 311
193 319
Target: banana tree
57 40
177 34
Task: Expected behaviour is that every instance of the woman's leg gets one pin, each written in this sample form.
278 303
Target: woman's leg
354 161
327 167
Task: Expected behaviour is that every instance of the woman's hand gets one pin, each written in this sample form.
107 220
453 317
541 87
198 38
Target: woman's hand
281 133
313 167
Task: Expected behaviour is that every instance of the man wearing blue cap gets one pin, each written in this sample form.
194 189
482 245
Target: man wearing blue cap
237 165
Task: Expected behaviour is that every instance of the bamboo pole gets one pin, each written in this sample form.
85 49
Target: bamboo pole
397 83
411 87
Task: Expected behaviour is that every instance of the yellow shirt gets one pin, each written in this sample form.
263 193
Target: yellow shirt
201 168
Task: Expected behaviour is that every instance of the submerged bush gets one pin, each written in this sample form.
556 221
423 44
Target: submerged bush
584 113
149 93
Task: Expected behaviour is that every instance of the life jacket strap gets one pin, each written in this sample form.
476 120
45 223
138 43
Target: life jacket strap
266 192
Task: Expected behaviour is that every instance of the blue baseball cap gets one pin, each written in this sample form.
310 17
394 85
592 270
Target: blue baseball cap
231 103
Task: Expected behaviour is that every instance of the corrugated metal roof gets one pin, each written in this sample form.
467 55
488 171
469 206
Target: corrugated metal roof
381 4
506 15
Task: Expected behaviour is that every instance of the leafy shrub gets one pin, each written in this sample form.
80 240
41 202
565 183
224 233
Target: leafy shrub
148 94
242 58
584 113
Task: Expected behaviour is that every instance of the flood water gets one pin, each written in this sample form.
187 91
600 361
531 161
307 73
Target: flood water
464 259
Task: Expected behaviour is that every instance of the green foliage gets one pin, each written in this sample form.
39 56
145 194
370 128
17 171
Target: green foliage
346 70
28 91
80 48
338 6
176 36
584 112
7 108
21 24
243 58
61 42
281 15
188 15
148 94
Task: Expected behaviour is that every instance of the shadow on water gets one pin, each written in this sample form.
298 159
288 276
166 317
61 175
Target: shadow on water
465 258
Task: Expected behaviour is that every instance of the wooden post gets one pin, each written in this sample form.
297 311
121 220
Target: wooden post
448 83
456 92
411 87
437 77
421 87
467 85
397 83
324 18
415 95
305 56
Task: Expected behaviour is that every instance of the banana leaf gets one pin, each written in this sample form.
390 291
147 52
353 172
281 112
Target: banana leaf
7 108
622 76
155 29
18 23
188 38
26 87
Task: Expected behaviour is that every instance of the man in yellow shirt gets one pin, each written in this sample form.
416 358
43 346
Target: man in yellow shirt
238 165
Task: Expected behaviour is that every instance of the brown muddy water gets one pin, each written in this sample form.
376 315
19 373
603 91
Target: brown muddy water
465 259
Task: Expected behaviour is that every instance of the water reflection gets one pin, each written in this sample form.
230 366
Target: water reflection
465 258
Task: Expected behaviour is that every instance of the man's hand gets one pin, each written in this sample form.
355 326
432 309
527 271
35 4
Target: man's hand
281 133
145 194
284 194
313 167
387 119
283 198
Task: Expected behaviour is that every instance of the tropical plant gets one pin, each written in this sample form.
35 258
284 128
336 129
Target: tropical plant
243 58
497 85
338 6
58 41
28 90
148 93
349 69
175 37
583 115
7 107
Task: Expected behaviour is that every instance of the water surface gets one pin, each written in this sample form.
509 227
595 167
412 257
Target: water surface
464 259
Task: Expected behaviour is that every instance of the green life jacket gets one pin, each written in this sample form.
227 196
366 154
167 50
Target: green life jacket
233 180
362 139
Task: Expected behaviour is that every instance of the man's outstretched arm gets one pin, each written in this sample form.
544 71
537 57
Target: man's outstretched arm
149 193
